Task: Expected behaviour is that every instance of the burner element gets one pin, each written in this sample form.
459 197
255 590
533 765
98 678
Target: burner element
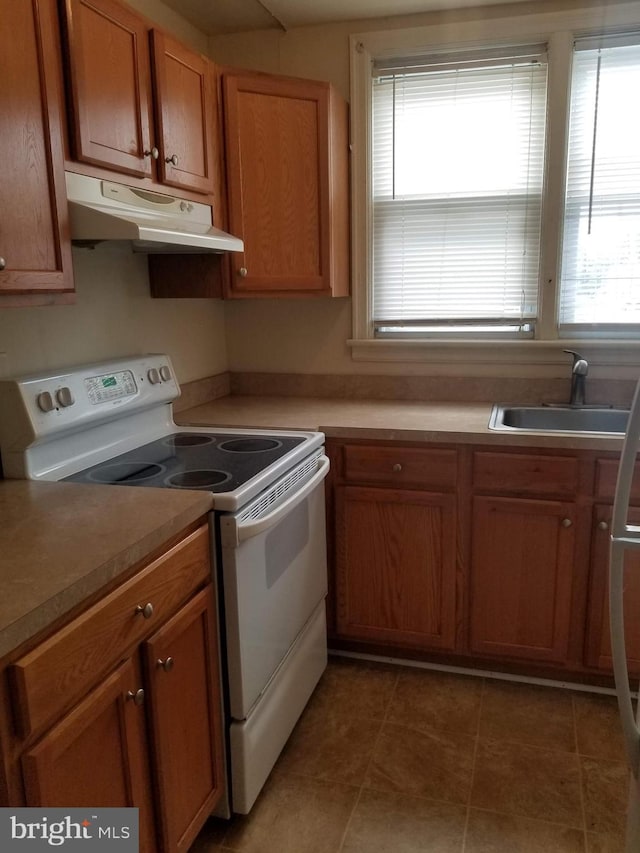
249 445
197 479
189 439
125 472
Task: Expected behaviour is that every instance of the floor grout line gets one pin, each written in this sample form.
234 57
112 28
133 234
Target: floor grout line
473 767
366 772
580 774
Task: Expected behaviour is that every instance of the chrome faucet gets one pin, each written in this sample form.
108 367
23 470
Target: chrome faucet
578 378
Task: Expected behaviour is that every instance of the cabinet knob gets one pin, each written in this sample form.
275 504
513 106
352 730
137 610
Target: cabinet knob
146 610
242 271
173 159
166 665
566 522
603 525
3 263
397 468
153 153
137 698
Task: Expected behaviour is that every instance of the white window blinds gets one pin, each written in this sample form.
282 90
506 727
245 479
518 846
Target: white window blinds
600 280
458 153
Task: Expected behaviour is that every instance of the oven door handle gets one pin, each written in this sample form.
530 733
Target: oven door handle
254 528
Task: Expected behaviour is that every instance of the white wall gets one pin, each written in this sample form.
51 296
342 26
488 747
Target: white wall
114 316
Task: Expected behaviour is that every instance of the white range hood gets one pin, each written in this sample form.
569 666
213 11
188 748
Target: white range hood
153 222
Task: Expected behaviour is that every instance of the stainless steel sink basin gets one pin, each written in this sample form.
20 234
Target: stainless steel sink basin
558 419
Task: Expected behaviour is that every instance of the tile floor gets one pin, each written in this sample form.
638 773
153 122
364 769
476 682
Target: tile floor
401 760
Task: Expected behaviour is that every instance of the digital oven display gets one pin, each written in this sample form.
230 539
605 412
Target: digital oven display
110 386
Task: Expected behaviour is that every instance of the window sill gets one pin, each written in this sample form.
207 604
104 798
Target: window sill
503 357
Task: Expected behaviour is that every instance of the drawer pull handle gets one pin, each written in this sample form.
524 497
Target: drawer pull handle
173 160
566 522
137 698
397 468
3 263
147 610
166 665
153 152
243 272
603 525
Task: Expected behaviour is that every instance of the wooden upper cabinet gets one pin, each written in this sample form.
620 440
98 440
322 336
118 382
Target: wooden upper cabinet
110 86
34 233
185 110
142 103
287 183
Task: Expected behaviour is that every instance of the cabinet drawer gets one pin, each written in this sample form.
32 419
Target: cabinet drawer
401 466
60 670
525 473
606 478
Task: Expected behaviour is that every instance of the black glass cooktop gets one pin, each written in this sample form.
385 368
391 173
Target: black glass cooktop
192 460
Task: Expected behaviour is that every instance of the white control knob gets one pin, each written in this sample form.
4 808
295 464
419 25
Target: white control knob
45 401
165 373
65 397
153 376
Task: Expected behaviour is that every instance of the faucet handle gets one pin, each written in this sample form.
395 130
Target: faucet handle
580 364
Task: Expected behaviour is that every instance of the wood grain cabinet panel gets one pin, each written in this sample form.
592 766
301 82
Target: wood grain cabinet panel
59 670
96 755
401 467
34 233
287 180
522 564
527 473
110 84
142 103
185 706
396 567
598 641
185 108
146 733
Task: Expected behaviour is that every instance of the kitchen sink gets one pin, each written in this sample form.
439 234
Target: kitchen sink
559 419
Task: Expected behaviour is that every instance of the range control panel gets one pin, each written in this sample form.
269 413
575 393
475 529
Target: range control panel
39 405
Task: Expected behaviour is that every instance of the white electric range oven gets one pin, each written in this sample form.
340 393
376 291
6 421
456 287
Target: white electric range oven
112 423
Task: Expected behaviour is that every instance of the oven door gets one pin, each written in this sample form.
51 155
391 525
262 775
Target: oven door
274 569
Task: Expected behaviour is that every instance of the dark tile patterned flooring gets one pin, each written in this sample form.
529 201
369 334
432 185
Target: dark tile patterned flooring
390 759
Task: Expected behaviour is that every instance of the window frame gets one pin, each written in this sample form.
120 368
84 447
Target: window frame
558 30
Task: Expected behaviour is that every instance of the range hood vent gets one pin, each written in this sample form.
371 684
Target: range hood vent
153 222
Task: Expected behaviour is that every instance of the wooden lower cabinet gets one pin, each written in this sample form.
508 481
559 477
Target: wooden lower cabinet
145 729
97 754
522 568
396 567
598 645
184 706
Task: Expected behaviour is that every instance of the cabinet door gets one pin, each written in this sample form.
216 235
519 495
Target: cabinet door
521 578
598 650
96 755
34 234
277 155
396 567
110 86
185 115
182 670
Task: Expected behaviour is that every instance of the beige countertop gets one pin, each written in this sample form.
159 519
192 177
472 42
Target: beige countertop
62 542
390 420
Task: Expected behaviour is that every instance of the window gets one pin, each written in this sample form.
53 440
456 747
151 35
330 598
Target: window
600 284
496 190
458 151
